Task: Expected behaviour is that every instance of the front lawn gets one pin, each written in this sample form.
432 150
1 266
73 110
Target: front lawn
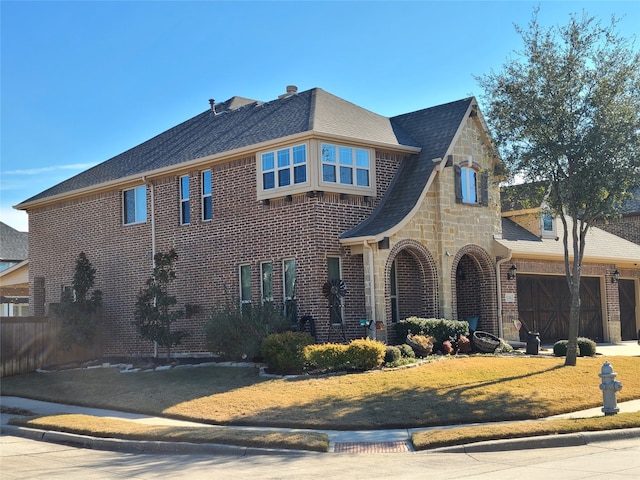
445 392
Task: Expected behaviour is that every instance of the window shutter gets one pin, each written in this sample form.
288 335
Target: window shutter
458 182
484 188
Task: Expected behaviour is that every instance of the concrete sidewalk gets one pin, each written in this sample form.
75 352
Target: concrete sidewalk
362 441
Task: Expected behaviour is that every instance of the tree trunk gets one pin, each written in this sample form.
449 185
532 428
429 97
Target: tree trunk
574 324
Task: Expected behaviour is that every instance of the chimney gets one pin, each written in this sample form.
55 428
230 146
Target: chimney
291 90
212 103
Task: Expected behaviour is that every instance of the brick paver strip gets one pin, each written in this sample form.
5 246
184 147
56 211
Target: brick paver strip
370 447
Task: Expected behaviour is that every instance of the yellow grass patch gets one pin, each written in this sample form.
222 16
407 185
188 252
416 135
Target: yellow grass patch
129 430
463 435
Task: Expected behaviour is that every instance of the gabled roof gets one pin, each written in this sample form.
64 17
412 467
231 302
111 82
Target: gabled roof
238 123
434 129
600 246
14 245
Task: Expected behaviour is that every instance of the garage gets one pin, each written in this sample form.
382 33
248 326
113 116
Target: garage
544 305
628 326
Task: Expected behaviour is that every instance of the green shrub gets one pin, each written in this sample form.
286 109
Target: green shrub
392 354
237 334
284 352
587 347
560 348
365 354
406 351
440 329
329 356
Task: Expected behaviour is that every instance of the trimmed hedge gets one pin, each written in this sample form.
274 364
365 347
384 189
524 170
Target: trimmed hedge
586 348
392 354
329 356
284 352
365 354
438 328
362 354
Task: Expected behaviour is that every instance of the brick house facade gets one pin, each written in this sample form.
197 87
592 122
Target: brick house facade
406 208
538 298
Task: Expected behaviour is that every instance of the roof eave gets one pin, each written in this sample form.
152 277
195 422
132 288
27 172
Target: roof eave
190 164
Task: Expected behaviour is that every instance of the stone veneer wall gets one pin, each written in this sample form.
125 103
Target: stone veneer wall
444 228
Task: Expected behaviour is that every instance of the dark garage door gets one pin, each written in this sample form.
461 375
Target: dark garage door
544 305
627 293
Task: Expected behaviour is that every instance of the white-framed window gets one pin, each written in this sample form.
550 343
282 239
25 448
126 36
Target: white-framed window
345 165
245 287
393 284
207 200
134 205
185 210
266 281
285 167
289 290
16 307
547 226
469 185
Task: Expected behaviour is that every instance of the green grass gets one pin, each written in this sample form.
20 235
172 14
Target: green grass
446 392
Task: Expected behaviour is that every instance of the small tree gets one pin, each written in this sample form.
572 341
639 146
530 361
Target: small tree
78 309
566 113
155 311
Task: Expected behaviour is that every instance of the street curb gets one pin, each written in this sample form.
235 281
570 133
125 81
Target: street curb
143 446
546 441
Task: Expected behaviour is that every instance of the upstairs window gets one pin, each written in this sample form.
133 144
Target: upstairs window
284 167
345 165
185 215
207 203
468 179
548 226
471 187
134 205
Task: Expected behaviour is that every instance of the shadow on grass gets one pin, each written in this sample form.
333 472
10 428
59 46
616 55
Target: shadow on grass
370 400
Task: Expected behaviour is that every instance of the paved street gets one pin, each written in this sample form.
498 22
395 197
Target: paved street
21 458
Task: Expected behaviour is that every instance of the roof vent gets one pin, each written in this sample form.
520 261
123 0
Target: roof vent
291 90
212 103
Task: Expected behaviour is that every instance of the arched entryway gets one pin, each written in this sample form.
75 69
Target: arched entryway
473 275
411 286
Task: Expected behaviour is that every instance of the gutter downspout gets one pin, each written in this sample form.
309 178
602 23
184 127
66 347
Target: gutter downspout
499 289
372 292
153 239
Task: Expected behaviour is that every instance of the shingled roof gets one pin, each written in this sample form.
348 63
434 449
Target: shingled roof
434 129
14 245
600 246
241 123
238 123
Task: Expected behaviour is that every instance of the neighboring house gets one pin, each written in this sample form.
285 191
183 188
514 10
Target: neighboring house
268 201
628 225
14 272
538 298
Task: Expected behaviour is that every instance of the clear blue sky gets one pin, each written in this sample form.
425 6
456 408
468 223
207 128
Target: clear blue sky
82 81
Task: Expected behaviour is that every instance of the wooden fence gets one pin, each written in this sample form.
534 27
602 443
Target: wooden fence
30 343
